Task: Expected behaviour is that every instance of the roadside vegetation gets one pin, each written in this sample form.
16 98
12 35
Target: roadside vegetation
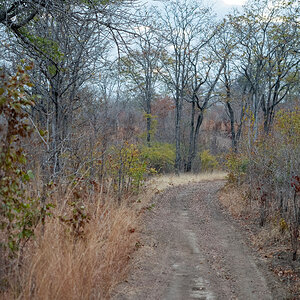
264 189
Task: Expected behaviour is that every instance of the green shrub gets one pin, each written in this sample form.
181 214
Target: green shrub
126 167
19 212
208 161
160 156
237 166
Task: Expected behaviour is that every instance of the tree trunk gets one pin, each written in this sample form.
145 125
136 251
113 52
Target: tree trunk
232 128
177 135
191 142
55 141
295 227
263 209
148 120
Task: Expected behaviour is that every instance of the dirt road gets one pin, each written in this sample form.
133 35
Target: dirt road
191 249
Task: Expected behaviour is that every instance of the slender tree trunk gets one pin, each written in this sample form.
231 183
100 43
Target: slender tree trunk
255 115
197 131
55 140
177 134
295 227
232 128
194 134
191 142
148 120
231 114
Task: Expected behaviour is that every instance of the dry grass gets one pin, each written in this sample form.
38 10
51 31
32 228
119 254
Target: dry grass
271 236
165 181
61 264
233 200
268 238
88 262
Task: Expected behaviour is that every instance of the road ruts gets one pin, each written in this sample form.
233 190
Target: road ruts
193 250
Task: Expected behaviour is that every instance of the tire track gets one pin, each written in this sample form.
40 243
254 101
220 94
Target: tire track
193 250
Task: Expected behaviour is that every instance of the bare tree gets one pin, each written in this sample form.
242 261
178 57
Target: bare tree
182 25
141 64
268 44
234 89
206 67
66 40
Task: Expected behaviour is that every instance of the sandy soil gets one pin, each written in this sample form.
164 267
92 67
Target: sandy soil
191 249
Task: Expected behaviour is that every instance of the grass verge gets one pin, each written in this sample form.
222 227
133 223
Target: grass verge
76 257
271 241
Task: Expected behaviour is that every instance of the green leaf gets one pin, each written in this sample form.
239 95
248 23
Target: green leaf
30 174
2 100
26 177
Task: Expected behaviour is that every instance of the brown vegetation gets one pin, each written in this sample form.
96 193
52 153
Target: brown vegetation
79 258
272 241
82 131
166 181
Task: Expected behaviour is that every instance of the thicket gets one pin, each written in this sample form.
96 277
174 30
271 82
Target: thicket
270 168
126 168
160 156
19 211
209 162
68 237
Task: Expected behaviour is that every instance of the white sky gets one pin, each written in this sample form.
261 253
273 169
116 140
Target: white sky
234 2
221 7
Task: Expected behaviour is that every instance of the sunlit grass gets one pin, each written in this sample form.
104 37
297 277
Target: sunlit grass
163 182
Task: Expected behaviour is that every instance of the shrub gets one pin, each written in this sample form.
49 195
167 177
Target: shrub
126 167
19 212
271 168
208 161
236 165
160 156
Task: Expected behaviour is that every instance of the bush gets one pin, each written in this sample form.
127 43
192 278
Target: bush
18 211
160 156
271 168
126 167
236 165
208 161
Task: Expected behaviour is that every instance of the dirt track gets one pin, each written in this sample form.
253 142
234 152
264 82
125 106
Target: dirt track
191 249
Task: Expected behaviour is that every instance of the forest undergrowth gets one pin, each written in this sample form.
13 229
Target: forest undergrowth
81 252
272 241
84 248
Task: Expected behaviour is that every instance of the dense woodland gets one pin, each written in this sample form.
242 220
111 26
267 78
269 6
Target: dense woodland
96 96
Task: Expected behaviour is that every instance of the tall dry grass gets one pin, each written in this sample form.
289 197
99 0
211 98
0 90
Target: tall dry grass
165 181
240 205
84 258
82 263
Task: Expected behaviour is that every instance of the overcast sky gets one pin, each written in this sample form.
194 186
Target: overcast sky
224 6
221 7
